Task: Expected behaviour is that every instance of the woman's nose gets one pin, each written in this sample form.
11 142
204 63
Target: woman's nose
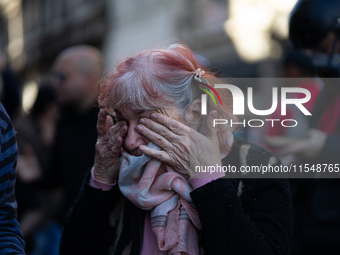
134 139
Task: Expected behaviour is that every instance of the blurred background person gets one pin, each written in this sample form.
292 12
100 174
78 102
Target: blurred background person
320 35
35 135
75 75
301 72
314 25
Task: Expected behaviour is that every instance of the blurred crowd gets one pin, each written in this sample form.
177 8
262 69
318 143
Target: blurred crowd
56 141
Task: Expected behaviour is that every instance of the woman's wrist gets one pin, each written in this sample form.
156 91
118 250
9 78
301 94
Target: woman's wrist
202 178
95 183
107 176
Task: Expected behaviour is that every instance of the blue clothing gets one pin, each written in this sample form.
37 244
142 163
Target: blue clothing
11 239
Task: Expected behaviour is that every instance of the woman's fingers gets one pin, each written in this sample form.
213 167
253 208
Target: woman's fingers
108 147
173 125
116 147
119 127
101 123
159 129
154 137
114 138
181 146
105 127
160 155
117 130
109 122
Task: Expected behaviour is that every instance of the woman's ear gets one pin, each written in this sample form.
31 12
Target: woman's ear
196 117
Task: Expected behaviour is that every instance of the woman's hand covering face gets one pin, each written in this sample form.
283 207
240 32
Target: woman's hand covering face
108 146
183 148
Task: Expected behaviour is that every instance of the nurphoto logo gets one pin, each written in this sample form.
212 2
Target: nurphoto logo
238 104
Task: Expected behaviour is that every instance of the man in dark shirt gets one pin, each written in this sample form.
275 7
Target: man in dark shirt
75 74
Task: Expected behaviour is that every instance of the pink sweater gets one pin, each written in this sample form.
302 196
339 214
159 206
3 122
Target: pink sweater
149 240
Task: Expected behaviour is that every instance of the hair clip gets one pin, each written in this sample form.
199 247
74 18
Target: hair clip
198 74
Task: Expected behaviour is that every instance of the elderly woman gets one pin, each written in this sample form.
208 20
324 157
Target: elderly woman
155 201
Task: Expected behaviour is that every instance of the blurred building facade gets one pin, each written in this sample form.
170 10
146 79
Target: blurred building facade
145 24
37 30
33 32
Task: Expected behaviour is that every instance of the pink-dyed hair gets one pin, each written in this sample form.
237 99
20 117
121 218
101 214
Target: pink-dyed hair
158 79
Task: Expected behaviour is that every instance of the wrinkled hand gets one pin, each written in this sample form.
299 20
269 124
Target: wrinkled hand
108 146
183 148
308 147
